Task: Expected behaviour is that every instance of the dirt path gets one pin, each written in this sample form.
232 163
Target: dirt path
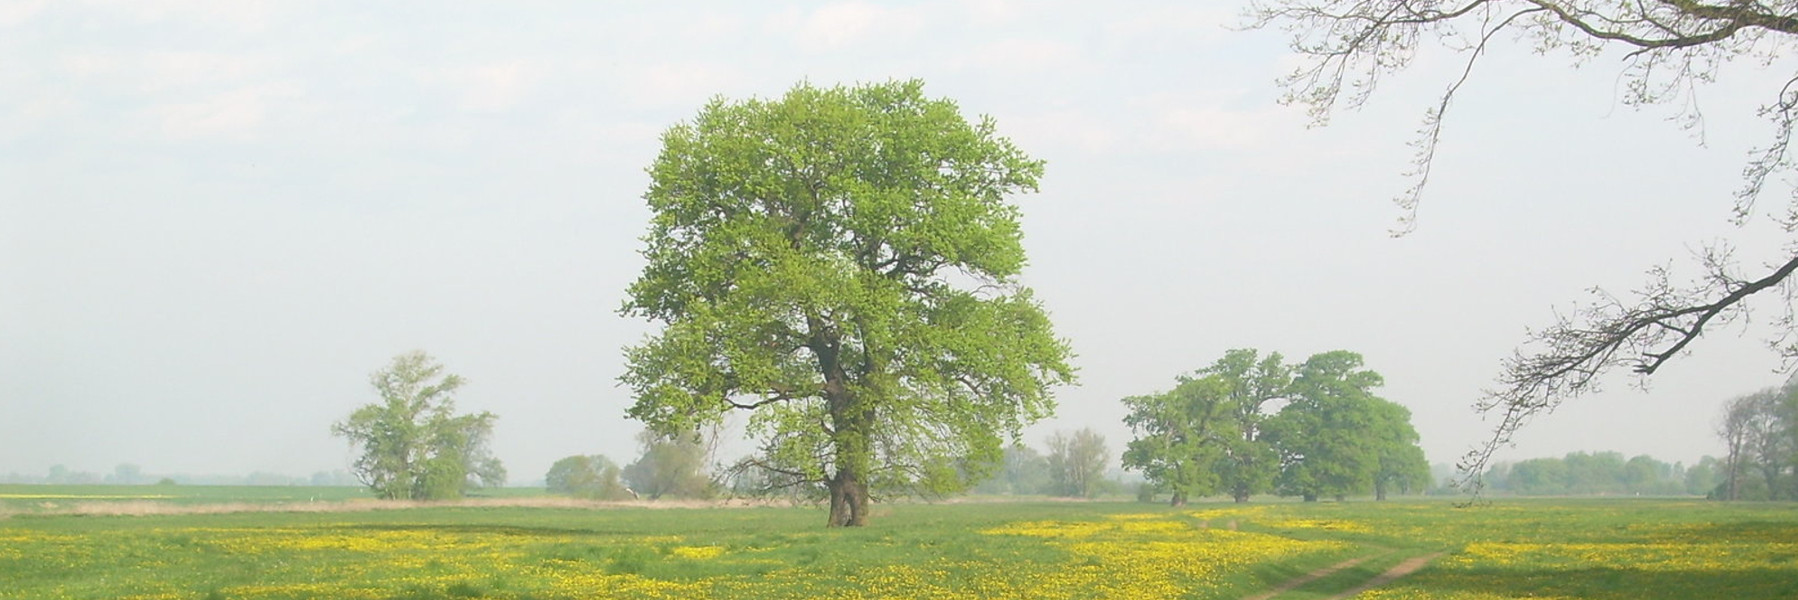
1312 576
1411 565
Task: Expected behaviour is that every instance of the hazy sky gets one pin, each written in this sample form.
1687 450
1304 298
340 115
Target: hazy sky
216 219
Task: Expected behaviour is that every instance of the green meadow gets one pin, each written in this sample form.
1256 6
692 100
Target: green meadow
1505 549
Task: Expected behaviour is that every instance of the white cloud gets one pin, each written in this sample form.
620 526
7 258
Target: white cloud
846 24
156 72
1031 55
238 15
1047 132
489 87
237 115
1205 23
14 12
1210 121
992 11
684 84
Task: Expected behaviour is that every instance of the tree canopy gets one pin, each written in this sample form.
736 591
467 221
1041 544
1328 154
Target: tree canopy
414 445
1330 435
1182 437
843 264
1760 434
669 467
1076 463
586 476
1670 48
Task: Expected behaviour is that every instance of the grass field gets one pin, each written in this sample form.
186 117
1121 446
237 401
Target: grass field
1511 549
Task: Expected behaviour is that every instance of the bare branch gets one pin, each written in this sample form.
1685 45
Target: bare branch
1609 334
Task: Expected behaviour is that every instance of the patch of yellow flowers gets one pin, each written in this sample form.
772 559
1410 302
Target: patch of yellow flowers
1123 556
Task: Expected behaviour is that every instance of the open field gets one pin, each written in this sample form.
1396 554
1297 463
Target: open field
1510 549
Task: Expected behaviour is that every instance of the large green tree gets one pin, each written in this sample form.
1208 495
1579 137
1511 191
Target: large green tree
1402 467
414 445
1254 381
1183 437
1213 432
843 264
1328 435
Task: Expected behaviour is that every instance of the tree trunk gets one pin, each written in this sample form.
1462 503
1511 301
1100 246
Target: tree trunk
1379 491
1310 497
1179 499
1241 494
851 426
848 500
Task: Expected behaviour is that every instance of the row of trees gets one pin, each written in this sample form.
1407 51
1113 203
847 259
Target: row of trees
1075 467
130 474
1251 424
1602 473
668 467
1760 439
842 263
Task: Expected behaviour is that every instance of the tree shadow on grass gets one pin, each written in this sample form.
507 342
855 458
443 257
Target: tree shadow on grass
1608 583
1777 532
499 530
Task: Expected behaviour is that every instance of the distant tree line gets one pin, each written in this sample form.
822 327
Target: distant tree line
1760 440
668 467
1602 474
1077 465
1252 424
130 474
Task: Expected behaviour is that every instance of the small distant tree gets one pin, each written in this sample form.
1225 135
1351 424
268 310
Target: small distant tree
413 444
127 474
1768 438
1077 463
1701 478
1733 428
594 476
670 466
1024 471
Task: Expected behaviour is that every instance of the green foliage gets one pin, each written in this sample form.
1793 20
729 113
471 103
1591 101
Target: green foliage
413 444
1077 464
1254 380
1760 434
843 263
594 477
670 467
1332 436
1402 467
1600 473
1183 437
1024 471
1328 435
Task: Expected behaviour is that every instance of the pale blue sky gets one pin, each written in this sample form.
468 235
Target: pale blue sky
216 218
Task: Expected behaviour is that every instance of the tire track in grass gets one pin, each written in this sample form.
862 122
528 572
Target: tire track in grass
1409 566
1295 582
